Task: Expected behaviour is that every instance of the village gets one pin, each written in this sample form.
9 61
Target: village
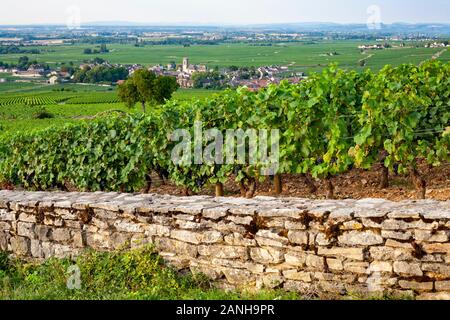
188 75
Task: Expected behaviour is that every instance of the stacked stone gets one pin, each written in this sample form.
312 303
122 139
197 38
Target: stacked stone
340 247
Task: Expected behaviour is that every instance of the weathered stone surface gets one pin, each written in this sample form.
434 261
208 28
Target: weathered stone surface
215 213
442 285
295 258
296 275
321 239
380 266
298 237
416 286
126 226
355 238
296 286
271 281
157 230
391 254
292 225
437 270
223 252
404 214
397 244
240 220
407 269
239 277
120 240
335 264
352 225
237 239
436 247
20 245
434 296
26 229
315 262
270 238
237 264
211 237
186 236
397 235
36 249
7 216
267 255
25 217
170 245
280 212
61 235
429 236
350 253
357 267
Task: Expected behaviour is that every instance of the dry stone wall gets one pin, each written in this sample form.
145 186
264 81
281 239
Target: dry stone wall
343 246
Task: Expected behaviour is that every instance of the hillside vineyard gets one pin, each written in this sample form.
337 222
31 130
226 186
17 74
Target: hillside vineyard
329 124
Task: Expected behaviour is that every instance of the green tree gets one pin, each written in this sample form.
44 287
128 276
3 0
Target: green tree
23 62
163 88
145 87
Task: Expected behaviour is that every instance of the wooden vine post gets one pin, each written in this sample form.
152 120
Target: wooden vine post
219 189
278 184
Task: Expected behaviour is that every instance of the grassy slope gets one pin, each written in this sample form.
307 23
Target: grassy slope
136 275
139 274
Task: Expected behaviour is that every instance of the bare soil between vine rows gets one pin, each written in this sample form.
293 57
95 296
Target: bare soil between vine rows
356 184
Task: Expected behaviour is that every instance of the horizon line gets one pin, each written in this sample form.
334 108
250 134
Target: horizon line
211 24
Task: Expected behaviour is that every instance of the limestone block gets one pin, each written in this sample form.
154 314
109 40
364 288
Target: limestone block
295 258
223 252
298 237
335 264
408 269
350 253
267 255
299 276
20 245
416 286
434 296
442 285
26 229
355 238
61 234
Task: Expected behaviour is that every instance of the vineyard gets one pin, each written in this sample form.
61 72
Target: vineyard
57 98
332 123
93 98
31 100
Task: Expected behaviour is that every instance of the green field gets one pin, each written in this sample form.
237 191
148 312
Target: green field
300 56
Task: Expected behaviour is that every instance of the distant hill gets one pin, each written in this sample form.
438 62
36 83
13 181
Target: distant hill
439 29
422 28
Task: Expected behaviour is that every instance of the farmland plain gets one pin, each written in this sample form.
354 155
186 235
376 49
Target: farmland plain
303 56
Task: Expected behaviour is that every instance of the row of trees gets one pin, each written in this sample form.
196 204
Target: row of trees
103 49
16 50
100 73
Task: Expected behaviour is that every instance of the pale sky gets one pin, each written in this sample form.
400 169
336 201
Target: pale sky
224 11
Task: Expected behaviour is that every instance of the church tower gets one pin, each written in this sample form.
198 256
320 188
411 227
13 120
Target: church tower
185 64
